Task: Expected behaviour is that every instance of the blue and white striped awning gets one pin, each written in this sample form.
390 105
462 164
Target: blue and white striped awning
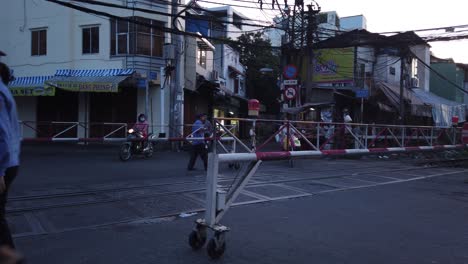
101 80
31 86
29 81
94 73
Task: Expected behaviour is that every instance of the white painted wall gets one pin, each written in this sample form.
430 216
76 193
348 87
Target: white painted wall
154 116
382 69
205 71
27 112
353 22
83 113
424 53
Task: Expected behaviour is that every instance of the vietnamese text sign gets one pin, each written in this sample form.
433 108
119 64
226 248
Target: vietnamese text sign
363 93
290 82
87 86
32 91
334 65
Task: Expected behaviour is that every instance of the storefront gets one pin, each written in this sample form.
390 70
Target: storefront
30 95
101 96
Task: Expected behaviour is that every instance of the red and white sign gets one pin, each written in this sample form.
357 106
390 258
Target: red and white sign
290 93
465 133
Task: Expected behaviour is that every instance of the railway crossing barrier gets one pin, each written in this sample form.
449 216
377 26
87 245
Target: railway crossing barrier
367 139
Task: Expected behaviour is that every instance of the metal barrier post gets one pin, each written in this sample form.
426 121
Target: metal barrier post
318 135
403 136
432 137
212 187
366 139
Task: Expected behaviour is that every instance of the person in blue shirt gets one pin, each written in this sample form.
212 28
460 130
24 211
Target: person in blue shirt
199 147
9 150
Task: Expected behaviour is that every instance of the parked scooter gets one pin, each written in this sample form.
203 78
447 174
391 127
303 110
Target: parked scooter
136 145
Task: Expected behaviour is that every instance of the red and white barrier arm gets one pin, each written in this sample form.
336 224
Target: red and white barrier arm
285 155
102 140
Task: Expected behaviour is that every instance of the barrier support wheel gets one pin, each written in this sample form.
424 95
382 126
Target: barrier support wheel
217 245
197 237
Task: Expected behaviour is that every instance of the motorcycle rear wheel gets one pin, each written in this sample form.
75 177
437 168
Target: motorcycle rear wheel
149 151
125 153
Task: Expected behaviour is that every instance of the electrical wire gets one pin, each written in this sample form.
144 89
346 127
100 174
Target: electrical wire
439 74
241 6
100 3
162 28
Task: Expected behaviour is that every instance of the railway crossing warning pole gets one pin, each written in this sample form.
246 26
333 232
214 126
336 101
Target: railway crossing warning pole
465 133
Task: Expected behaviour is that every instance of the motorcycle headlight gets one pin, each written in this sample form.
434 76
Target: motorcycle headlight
131 130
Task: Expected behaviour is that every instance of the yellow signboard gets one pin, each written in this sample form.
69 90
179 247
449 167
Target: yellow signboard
87 86
32 91
334 65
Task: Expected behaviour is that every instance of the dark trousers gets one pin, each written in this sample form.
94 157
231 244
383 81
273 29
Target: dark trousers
198 149
5 235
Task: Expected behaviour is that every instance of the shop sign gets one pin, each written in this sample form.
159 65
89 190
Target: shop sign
32 91
87 86
334 65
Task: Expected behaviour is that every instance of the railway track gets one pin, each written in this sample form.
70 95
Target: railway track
111 195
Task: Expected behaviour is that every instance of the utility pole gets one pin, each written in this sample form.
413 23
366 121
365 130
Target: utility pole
402 84
311 29
177 93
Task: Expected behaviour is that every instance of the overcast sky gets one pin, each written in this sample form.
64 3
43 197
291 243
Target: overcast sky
392 15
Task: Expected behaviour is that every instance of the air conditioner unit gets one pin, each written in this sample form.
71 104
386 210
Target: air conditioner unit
414 82
214 75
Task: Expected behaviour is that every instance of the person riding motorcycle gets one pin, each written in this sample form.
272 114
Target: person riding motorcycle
142 127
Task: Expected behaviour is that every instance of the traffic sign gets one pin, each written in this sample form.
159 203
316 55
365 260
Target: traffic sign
290 93
290 82
141 83
290 71
153 75
465 134
362 93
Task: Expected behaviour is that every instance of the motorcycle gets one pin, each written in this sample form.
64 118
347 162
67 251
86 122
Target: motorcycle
136 145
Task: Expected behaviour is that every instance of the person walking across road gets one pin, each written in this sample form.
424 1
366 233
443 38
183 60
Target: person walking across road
199 147
9 150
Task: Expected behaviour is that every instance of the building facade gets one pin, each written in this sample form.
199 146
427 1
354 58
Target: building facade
76 67
353 22
220 84
451 71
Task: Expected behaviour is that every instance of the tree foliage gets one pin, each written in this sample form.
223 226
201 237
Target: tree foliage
256 53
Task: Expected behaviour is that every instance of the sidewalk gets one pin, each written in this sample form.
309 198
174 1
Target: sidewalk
414 222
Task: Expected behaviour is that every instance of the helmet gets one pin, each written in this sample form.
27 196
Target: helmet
142 117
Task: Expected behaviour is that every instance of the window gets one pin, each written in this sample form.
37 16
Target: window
139 39
201 58
392 70
236 86
90 40
39 42
414 68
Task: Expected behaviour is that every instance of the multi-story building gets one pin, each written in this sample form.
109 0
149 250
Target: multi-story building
349 70
220 83
353 22
328 25
72 66
455 72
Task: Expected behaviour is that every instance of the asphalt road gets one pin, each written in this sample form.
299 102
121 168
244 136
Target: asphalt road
413 222
322 211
